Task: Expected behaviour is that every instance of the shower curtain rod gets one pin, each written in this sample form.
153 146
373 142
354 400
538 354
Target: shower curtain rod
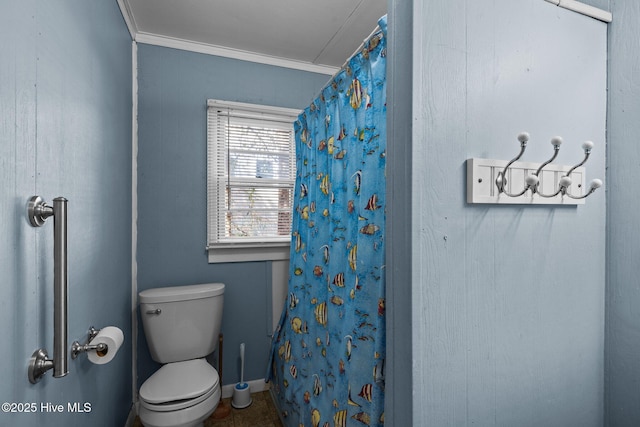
585 9
355 52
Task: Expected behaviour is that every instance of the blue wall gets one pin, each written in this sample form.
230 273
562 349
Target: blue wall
398 402
623 234
507 301
65 130
173 89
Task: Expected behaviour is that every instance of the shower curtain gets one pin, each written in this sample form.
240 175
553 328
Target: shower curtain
328 352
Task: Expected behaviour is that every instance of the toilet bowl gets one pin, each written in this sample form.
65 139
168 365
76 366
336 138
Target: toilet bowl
180 394
181 326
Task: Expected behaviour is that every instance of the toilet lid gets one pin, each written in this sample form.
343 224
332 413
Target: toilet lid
179 381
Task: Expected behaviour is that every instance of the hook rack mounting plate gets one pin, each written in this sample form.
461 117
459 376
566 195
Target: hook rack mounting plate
482 189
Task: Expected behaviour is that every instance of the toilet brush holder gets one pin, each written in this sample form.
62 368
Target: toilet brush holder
241 396
241 392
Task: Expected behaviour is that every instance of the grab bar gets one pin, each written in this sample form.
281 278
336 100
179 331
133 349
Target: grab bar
38 211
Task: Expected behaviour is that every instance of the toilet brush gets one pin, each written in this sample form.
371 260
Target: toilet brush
242 363
241 392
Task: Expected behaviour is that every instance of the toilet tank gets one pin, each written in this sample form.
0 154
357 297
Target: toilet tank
182 322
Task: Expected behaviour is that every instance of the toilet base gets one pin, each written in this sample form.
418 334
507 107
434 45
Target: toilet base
192 416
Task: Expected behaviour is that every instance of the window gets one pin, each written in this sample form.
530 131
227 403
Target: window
250 180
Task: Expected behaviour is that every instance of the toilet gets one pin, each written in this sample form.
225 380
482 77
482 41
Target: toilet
181 326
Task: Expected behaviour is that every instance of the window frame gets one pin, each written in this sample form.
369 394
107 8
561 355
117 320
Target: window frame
240 250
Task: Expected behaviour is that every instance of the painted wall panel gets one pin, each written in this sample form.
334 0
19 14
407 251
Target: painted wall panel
173 89
508 302
398 403
279 289
623 236
65 103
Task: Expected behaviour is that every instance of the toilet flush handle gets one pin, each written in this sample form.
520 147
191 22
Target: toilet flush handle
156 311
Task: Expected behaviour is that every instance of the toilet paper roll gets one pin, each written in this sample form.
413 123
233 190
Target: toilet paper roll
113 338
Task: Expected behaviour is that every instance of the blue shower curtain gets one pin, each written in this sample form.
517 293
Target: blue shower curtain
328 352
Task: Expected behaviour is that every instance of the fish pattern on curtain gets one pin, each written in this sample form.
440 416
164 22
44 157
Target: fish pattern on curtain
328 352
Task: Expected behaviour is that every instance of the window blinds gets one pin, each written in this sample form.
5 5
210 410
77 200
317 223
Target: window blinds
251 174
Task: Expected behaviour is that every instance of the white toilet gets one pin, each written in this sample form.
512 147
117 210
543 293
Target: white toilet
181 325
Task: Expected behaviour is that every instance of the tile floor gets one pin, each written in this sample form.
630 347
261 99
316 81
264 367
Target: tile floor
261 413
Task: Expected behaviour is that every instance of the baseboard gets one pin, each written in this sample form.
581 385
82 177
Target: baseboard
256 386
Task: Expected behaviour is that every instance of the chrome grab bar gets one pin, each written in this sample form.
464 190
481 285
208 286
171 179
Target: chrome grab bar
38 211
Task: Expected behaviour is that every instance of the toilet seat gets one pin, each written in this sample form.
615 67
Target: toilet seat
176 405
179 385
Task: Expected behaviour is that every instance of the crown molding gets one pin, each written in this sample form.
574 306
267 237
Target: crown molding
128 18
208 49
156 40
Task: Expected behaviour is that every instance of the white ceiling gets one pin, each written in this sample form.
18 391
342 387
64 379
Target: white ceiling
313 35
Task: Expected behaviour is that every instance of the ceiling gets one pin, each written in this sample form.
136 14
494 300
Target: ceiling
311 35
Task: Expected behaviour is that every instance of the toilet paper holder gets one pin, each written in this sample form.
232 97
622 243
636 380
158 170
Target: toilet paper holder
77 348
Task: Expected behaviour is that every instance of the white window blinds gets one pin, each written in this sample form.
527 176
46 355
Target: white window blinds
251 174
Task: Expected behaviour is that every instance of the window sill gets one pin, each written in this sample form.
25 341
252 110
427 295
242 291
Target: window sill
250 252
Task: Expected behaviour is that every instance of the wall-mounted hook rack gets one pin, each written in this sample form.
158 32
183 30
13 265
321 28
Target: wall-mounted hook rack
514 182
